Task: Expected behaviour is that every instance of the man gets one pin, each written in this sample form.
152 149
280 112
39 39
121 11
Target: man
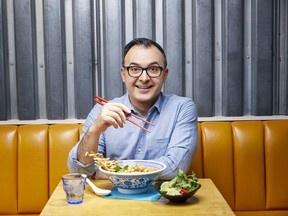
173 139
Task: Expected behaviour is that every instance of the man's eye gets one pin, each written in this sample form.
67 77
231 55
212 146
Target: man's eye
153 68
135 69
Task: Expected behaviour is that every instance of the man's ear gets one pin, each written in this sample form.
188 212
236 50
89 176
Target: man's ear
122 72
166 73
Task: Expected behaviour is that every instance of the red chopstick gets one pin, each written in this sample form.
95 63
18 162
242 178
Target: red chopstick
100 101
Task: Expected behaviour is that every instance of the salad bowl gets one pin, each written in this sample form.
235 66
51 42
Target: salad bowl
180 188
176 198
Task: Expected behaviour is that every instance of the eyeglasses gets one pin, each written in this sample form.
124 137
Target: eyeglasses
136 71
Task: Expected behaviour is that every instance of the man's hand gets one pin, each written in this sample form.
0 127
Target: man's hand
112 114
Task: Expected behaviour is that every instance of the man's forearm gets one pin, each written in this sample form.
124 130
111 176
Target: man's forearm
88 143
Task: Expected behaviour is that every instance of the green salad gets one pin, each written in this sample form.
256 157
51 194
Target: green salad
179 185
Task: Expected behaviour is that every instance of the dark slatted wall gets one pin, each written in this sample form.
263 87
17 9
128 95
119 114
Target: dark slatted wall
230 56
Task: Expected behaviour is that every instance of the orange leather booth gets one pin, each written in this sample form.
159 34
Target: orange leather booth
247 161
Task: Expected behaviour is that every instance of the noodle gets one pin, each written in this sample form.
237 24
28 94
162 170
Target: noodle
113 165
105 163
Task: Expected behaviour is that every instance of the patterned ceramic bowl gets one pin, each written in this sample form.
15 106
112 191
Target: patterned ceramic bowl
138 182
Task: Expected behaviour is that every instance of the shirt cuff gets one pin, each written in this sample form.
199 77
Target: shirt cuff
76 166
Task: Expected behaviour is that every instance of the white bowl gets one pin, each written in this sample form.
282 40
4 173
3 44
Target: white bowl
134 183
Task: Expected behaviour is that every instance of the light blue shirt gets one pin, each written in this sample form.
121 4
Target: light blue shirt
173 139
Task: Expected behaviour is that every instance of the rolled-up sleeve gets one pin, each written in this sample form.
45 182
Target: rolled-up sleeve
73 164
76 166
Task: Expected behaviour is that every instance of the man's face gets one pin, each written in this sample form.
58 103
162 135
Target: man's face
143 89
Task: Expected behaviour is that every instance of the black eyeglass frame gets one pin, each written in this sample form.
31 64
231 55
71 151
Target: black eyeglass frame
146 69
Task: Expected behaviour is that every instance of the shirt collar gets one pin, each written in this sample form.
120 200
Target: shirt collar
157 106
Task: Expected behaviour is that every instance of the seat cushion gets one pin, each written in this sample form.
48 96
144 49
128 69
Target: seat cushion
276 160
32 168
249 165
262 213
8 163
218 157
61 140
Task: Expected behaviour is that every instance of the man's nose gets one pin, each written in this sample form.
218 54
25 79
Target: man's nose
144 75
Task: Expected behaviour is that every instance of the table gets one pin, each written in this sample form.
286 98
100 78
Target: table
207 201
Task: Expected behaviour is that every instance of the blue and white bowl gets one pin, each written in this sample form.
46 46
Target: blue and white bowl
134 183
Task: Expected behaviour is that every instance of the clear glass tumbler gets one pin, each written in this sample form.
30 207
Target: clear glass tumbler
74 185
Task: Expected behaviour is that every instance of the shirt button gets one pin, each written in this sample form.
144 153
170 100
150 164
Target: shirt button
139 149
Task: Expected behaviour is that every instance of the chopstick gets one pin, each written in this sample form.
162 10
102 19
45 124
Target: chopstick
132 114
100 101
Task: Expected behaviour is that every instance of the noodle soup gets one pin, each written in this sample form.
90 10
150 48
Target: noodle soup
137 178
135 168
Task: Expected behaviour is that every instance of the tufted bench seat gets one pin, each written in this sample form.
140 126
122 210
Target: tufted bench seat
247 161
32 160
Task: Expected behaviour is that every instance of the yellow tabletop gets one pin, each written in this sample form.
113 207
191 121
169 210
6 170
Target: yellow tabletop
207 201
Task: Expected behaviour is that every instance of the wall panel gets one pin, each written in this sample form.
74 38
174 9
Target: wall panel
173 44
3 87
233 59
203 62
264 56
55 58
83 57
111 48
24 47
229 56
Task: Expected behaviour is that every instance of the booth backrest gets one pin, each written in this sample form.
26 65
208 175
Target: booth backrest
32 159
247 161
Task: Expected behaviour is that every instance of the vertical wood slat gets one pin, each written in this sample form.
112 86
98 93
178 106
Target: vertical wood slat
112 50
189 58
283 58
55 59
69 51
203 50
159 21
40 50
248 90
70 63
25 71
95 53
11 61
173 43
3 82
129 21
101 50
233 88
143 19
84 65
219 69
263 58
